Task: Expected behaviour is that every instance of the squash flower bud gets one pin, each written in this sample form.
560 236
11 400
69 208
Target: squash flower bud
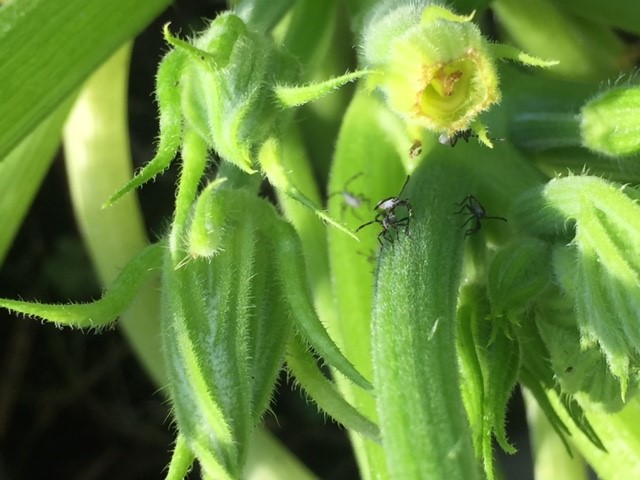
609 123
434 67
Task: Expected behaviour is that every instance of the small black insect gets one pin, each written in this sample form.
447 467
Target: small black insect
477 213
351 199
451 140
388 218
465 135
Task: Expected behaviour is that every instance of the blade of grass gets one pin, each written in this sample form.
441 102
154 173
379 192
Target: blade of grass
48 47
22 173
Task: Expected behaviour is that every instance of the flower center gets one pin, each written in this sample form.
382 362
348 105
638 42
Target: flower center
446 86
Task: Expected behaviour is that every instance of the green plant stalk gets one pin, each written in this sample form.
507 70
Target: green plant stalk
424 426
98 161
48 51
550 455
584 50
23 170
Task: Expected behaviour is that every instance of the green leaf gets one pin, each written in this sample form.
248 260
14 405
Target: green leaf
261 16
46 51
23 170
622 14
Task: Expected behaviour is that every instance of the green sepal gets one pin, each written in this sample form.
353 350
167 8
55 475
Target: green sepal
607 282
518 274
295 96
434 13
469 314
324 393
580 370
181 460
481 130
214 48
168 98
490 364
206 229
269 158
103 312
298 297
501 374
601 268
508 52
579 418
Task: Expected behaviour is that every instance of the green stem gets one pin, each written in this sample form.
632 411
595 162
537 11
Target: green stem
181 460
424 426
